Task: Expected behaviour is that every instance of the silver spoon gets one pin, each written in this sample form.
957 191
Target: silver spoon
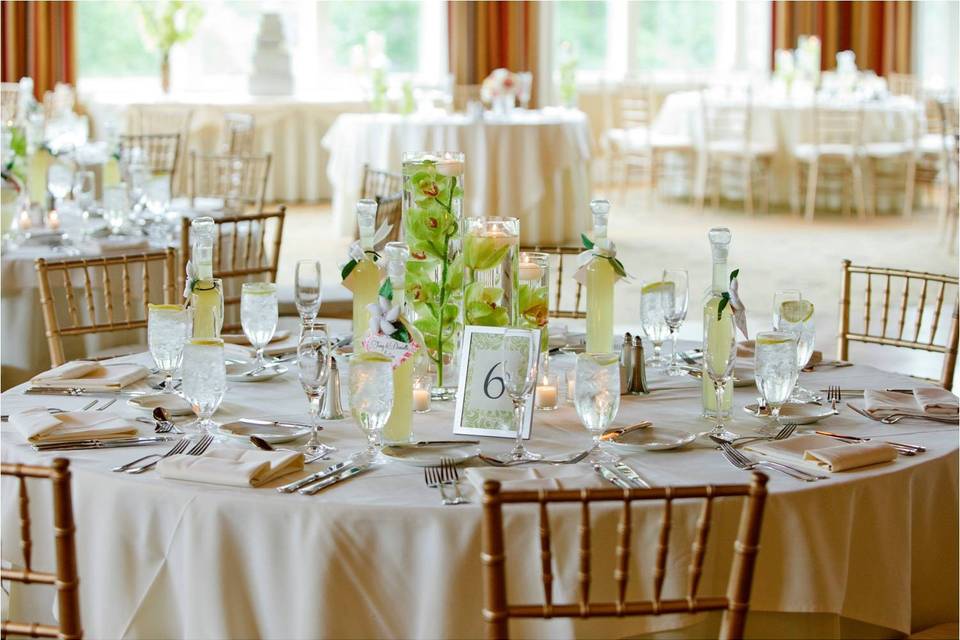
164 423
260 443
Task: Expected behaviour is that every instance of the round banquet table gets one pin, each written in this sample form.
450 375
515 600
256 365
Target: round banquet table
532 165
379 556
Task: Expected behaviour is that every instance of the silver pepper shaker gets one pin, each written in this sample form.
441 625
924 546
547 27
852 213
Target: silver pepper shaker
331 409
638 379
626 364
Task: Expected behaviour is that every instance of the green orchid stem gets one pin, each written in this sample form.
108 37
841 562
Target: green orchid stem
443 283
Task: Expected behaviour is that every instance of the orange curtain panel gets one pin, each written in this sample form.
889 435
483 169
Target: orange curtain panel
38 41
878 32
486 35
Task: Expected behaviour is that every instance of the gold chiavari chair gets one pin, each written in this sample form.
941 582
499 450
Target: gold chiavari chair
65 579
892 167
161 150
497 612
903 84
907 335
387 189
96 313
9 101
559 256
834 156
950 202
237 136
246 249
169 119
238 181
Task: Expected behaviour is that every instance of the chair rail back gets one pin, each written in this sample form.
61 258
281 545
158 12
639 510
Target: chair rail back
559 264
240 181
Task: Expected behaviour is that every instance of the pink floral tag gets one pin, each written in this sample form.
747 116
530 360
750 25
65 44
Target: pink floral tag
398 352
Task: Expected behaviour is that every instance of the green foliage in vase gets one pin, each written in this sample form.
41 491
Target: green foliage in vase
483 306
165 24
534 312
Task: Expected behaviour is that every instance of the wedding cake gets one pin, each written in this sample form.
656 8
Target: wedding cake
271 62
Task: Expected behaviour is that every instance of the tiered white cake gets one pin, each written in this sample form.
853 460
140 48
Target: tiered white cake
271 73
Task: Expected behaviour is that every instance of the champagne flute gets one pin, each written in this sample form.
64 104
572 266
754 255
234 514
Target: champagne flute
597 396
258 316
797 317
313 364
370 385
307 280
776 372
675 312
204 380
168 329
653 298
719 356
519 362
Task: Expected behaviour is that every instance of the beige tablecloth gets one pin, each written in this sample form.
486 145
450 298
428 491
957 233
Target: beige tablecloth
378 556
530 165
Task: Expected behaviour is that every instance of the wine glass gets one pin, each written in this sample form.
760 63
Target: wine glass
653 301
258 316
797 317
781 296
370 385
313 364
156 195
168 329
776 372
204 380
115 208
519 362
597 396
719 356
307 281
59 182
675 312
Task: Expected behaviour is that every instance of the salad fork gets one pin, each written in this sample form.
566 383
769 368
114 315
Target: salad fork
197 449
432 477
452 476
739 460
180 447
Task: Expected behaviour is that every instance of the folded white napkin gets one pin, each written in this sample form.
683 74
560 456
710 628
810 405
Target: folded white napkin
825 452
39 425
937 401
527 477
241 339
231 466
91 376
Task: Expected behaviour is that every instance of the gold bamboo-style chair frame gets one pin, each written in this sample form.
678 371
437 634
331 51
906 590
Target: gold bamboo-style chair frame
386 188
161 150
558 256
240 252
497 612
239 181
65 579
914 338
83 314
237 137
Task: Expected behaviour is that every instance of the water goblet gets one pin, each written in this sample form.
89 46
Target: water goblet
313 365
307 281
797 317
675 312
156 196
258 315
370 385
168 330
59 181
781 296
115 208
519 364
653 302
84 192
597 396
719 356
776 372
204 380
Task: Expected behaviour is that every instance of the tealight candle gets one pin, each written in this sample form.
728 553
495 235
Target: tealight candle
530 271
421 400
53 220
547 393
23 220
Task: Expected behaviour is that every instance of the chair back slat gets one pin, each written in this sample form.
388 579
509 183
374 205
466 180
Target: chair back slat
558 256
546 558
65 577
907 282
161 151
239 181
497 611
71 270
386 188
238 134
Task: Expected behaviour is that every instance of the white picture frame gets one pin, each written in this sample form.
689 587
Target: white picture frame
479 359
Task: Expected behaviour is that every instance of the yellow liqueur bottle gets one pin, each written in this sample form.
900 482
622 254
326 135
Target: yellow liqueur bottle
365 278
600 279
399 427
39 163
718 327
207 296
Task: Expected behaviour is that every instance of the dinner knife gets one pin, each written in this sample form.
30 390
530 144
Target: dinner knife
616 433
631 475
276 423
438 443
99 444
914 447
76 391
313 477
611 477
349 473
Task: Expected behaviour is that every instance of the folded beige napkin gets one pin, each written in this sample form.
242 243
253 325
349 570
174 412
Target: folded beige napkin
825 452
38 425
936 401
91 376
527 477
231 466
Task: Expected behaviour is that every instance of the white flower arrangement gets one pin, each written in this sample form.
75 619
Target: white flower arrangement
500 82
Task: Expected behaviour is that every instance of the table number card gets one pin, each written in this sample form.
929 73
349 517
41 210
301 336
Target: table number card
484 408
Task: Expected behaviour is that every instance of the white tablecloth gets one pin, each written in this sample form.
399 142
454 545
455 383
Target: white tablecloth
530 165
378 556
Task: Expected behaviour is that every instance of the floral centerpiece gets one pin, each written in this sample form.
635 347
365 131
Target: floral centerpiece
166 24
371 59
500 90
491 270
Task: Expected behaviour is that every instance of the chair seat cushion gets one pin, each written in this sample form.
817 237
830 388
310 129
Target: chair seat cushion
887 149
810 152
931 143
739 149
639 139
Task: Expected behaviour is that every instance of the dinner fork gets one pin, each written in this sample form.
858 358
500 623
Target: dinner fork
834 396
571 459
197 449
451 475
175 449
739 460
785 432
894 418
432 477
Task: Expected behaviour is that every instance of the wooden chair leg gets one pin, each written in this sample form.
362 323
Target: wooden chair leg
748 186
910 186
811 191
858 188
768 178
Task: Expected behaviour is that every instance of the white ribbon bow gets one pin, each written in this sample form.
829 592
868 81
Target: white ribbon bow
584 258
739 311
192 277
355 251
382 316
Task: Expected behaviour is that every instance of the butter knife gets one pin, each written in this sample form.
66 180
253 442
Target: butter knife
100 444
349 473
611 477
313 477
437 443
635 478
76 391
616 433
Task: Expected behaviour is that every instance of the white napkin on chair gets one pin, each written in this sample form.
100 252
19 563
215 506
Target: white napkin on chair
937 402
825 452
38 425
90 376
231 466
528 477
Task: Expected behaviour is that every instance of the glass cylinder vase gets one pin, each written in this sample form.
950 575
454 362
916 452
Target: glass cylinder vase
432 216
534 294
491 270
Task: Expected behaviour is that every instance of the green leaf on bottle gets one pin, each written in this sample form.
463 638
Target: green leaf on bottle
618 267
734 274
386 289
724 301
587 243
348 269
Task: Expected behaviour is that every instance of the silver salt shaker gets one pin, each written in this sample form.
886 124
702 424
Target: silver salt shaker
331 409
638 377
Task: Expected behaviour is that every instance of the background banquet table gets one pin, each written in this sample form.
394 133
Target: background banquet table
532 165
378 556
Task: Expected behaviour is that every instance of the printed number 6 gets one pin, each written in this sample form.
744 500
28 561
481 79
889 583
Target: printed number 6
490 381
